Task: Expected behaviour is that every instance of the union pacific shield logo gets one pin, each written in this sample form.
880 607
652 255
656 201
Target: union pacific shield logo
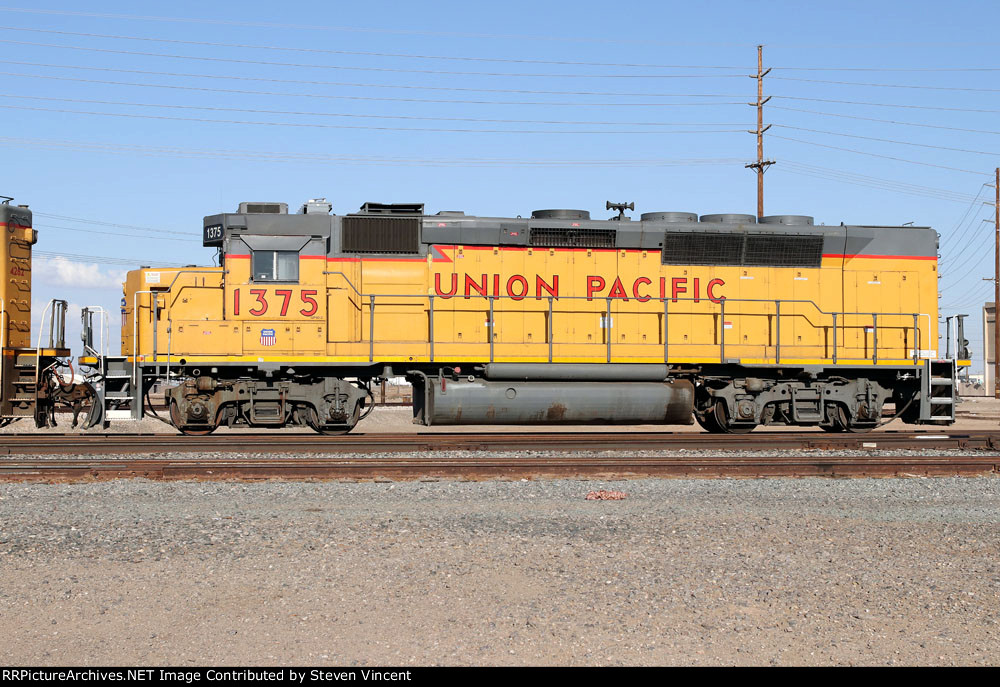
267 337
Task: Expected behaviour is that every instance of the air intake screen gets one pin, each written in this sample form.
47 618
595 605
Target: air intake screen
702 248
557 237
781 250
263 209
381 234
752 250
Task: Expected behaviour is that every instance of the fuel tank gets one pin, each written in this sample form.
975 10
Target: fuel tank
444 401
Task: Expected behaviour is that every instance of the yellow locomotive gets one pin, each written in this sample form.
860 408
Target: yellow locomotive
28 386
552 318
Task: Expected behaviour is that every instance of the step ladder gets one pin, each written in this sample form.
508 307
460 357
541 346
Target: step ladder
938 392
118 394
119 390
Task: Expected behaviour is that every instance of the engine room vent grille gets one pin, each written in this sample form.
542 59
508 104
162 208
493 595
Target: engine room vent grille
752 250
780 250
558 237
702 248
381 234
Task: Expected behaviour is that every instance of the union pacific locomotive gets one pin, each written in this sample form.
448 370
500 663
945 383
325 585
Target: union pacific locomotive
552 318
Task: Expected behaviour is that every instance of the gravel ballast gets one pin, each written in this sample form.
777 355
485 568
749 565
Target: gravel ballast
807 571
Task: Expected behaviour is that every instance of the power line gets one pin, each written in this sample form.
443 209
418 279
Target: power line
465 58
888 140
104 259
360 97
191 237
871 104
354 29
872 182
952 234
361 116
354 126
887 121
890 85
870 154
313 82
108 224
298 158
395 70
329 51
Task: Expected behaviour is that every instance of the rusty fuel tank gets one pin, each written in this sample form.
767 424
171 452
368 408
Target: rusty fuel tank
477 401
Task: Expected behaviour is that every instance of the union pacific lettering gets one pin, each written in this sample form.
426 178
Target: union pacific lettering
518 287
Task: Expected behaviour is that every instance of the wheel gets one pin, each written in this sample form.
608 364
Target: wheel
843 424
175 419
312 419
716 421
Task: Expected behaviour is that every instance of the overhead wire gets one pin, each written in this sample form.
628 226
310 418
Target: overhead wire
480 120
314 82
355 126
327 96
299 157
394 70
886 157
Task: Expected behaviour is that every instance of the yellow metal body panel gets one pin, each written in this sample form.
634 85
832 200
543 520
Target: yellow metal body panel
15 287
549 304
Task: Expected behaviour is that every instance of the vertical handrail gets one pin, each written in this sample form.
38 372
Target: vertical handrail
834 338
916 340
371 327
607 331
874 338
777 332
430 324
666 330
551 329
722 331
492 327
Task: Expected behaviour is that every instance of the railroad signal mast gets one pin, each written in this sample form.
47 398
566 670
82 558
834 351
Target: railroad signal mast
761 165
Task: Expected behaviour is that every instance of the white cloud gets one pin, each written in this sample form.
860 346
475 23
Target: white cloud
78 275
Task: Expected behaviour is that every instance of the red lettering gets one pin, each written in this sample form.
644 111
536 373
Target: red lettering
697 299
678 285
517 279
286 294
259 293
635 289
711 286
496 285
617 290
663 288
236 301
307 297
552 290
472 285
594 284
437 285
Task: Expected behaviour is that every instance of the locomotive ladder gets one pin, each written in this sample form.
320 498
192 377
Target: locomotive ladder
116 390
938 393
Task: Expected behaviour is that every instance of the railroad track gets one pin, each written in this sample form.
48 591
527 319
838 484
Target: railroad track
290 443
50 444
429 468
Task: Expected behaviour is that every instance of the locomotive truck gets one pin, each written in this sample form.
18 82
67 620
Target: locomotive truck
671 318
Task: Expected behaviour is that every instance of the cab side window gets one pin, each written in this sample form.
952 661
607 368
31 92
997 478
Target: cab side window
275 265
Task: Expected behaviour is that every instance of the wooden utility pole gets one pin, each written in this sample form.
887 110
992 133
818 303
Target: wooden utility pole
761 164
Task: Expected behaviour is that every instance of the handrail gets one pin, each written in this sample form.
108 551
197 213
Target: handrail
371 299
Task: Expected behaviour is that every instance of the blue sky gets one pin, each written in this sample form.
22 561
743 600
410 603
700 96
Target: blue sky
560 105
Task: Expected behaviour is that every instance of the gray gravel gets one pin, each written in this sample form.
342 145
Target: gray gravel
808 571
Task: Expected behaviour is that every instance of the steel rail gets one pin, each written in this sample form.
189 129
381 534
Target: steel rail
621 441
473 468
